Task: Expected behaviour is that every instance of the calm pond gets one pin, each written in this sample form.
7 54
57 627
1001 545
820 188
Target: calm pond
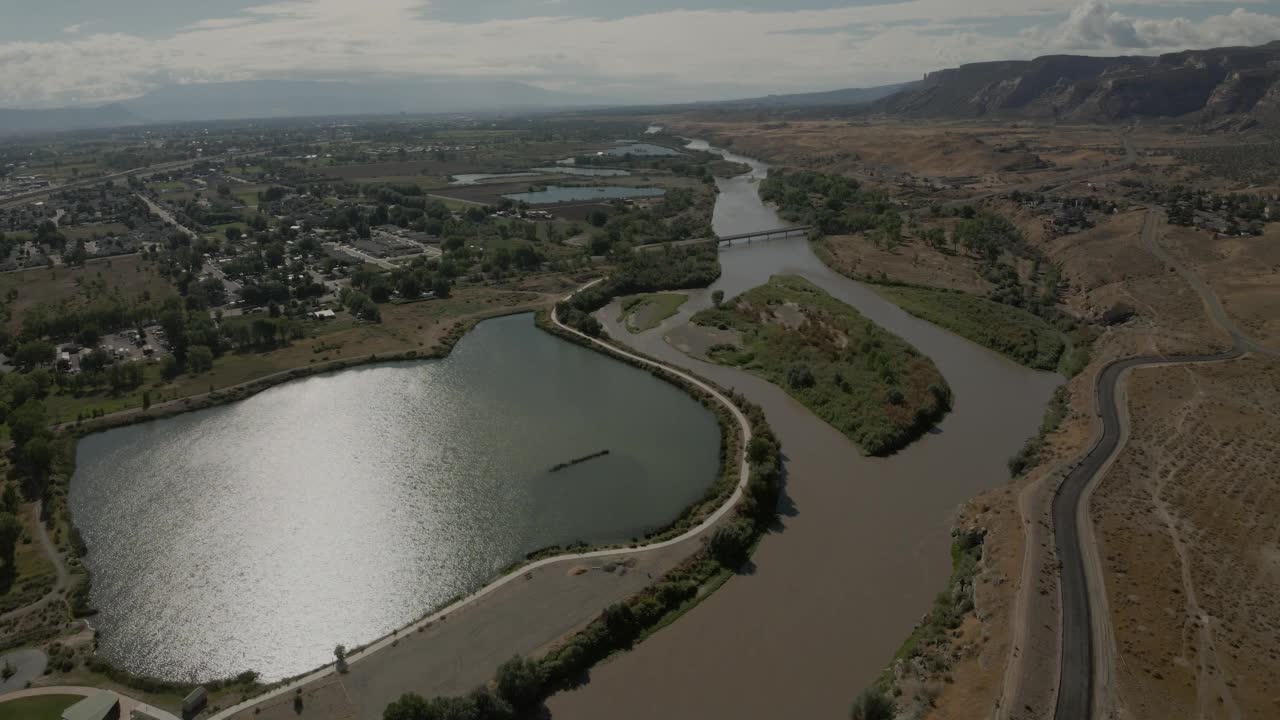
647 149
563 193
333 509
597 172
474 178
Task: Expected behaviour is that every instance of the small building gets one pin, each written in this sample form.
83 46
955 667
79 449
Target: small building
102 706
194 702
324 314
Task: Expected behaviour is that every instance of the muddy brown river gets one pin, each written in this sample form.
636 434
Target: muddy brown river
862 544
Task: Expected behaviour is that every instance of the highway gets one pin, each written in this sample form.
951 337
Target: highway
23 199
1079 658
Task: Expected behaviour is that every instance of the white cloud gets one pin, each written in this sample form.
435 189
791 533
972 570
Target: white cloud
1095 26
667 55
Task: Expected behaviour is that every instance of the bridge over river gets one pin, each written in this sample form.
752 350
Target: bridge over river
748 237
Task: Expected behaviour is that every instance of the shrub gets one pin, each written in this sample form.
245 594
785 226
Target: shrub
800 376
872 705
1116 314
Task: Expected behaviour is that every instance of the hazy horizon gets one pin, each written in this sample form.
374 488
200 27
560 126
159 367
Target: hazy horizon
64 54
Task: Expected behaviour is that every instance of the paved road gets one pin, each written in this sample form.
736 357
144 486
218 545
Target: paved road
1078 656
19 200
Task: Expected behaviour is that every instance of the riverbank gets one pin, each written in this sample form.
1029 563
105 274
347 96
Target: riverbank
864 541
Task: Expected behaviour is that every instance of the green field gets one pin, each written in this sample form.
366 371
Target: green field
645 312
41 707
1012 331
88 232
862 380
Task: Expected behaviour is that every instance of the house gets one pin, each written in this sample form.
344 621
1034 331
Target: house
324 314
102 706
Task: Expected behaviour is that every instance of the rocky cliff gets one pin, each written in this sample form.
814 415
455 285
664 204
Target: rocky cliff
1226 87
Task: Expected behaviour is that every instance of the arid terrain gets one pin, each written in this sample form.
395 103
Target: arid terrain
1187 526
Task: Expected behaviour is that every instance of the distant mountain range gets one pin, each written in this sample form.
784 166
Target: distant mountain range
1230 88
847 96
1235 87
297 98
60 119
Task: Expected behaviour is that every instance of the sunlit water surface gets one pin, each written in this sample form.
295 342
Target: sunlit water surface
333 509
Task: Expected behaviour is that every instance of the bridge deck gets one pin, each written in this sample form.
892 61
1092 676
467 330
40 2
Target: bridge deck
728 238
765 233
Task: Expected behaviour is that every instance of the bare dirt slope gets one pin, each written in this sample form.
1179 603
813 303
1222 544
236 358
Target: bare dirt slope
1188 520
1243 271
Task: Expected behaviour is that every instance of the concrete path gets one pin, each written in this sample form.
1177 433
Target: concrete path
127 704
28 664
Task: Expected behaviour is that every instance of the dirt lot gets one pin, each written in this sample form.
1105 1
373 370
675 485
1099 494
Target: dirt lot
915 263
1243 271
972 155
1109 264
1188 520
132 278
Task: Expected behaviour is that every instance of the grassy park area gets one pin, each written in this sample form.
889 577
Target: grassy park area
41 707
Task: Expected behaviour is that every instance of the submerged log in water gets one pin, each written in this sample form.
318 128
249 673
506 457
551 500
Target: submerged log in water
575 461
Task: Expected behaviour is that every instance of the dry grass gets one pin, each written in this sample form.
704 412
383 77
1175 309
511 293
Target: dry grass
1244 272
1109 264
914 263
132 277
1188 519
988 155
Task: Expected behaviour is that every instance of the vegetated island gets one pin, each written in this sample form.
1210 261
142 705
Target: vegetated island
1011 331
672 268
861 379
578 460
645 312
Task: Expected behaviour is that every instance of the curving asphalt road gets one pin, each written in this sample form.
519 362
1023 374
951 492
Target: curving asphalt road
1076 669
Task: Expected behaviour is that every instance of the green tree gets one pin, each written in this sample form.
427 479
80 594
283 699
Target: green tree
33 353
520 682
717 297
27 421
10 531
440 286
199 359
731 542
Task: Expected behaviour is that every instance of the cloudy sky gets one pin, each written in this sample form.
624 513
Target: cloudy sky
73 52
